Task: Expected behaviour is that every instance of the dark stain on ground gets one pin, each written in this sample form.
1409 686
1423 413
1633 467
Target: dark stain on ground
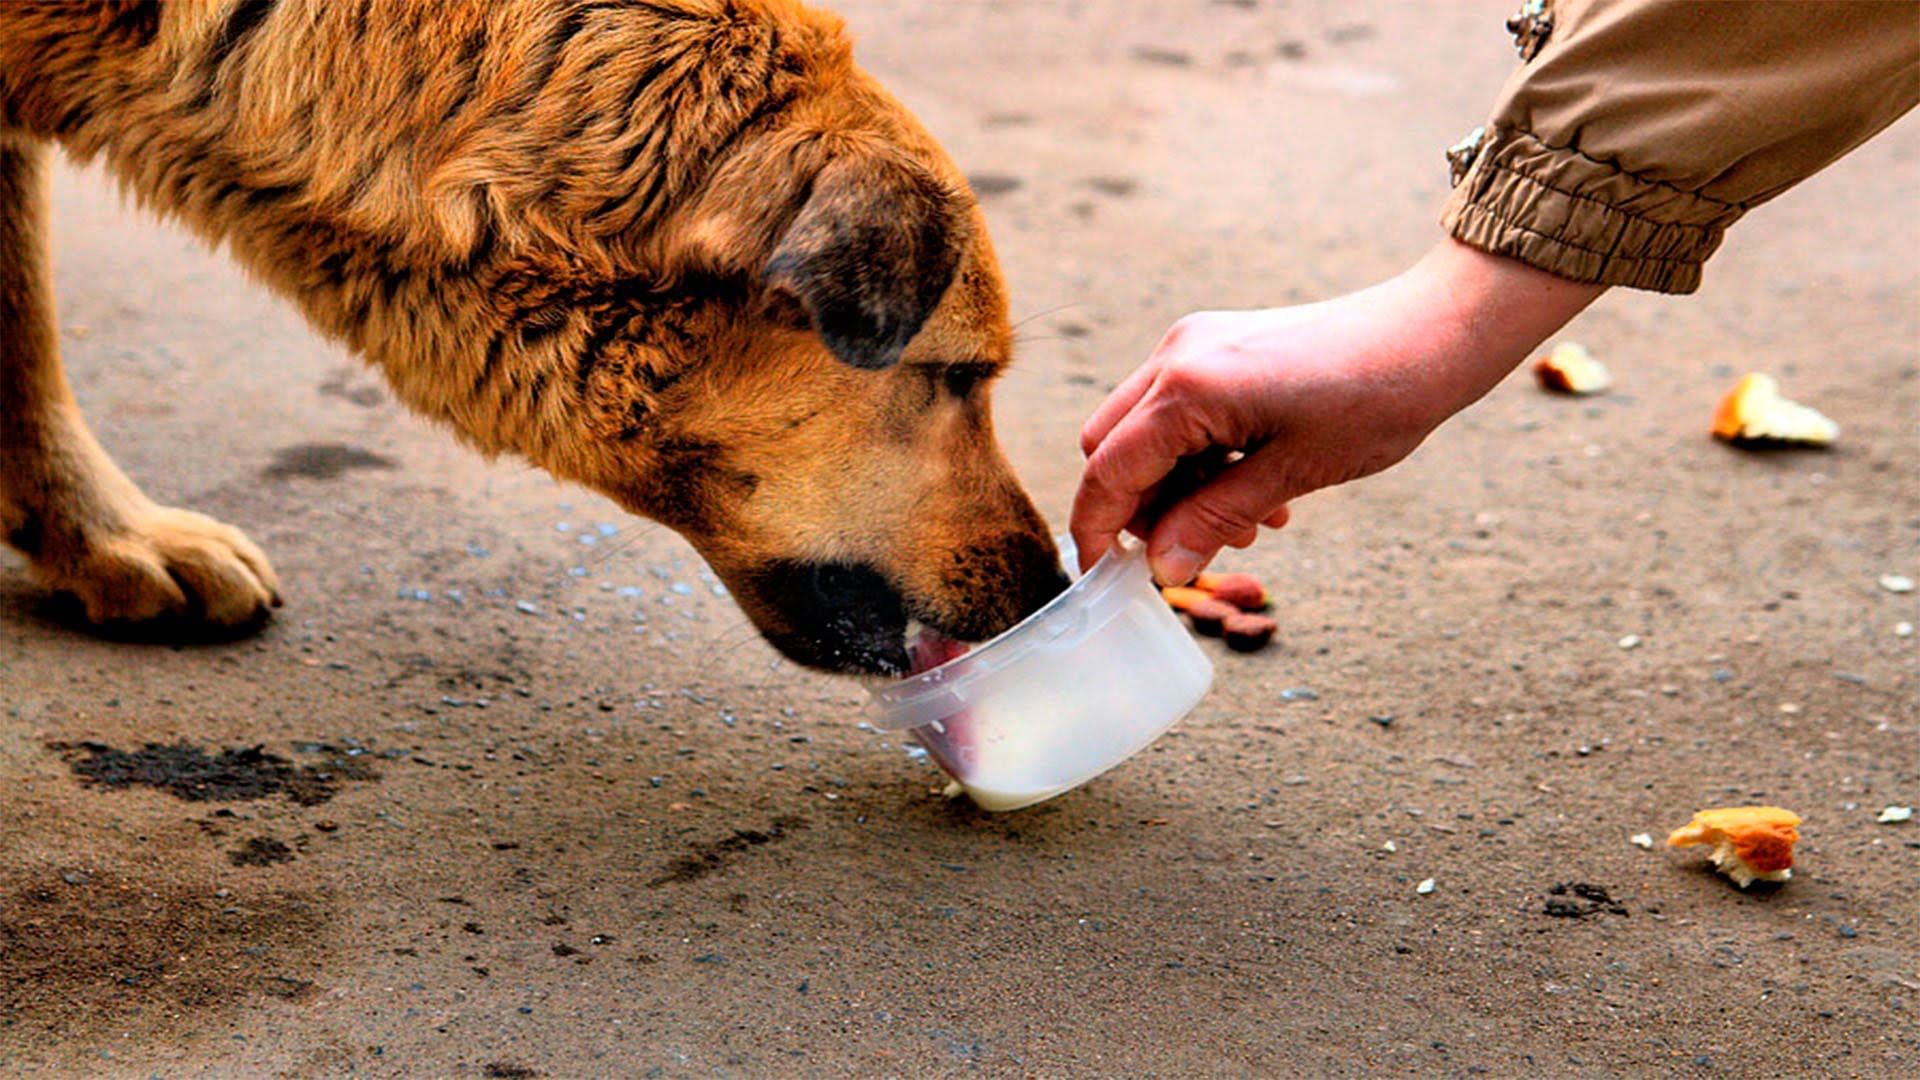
286 989
714 855
260 851
1578 900
988 185
1153 54
322 461
135 958
507 1070
1118 187
188 772
339 385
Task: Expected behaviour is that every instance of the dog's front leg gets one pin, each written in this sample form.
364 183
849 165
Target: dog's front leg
83 526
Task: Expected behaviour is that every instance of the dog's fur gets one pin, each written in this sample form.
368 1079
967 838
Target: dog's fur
682 251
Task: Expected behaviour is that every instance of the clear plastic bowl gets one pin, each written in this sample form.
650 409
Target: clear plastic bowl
1076 688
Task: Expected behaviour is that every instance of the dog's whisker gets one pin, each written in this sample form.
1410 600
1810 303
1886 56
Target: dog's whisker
1049 311
725 647
622 543
601 554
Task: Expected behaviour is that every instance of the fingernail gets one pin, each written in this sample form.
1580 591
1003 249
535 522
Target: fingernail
1176 566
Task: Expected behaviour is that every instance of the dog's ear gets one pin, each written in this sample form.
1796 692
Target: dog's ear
868 257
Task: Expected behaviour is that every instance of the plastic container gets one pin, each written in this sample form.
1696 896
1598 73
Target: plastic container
1076 688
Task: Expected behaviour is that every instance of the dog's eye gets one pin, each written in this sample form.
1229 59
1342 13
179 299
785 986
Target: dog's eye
962 379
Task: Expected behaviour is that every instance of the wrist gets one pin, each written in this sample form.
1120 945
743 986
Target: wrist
1496 312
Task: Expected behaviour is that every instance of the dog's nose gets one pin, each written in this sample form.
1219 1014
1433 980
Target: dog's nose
835 616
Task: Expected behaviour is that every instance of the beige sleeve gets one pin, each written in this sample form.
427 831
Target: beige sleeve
1642 129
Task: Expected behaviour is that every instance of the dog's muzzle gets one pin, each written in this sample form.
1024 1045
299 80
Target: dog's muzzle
836 616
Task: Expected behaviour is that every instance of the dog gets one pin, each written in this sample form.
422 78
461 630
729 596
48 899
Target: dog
683 252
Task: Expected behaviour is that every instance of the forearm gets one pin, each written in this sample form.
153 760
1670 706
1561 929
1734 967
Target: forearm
1491 313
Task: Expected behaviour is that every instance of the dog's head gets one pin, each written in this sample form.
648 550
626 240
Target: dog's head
807 402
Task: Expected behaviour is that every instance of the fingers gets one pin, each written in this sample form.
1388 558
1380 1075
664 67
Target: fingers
1227 512
1123 471
1118 404
1133 387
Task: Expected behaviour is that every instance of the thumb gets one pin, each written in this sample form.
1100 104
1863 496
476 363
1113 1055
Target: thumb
1227 511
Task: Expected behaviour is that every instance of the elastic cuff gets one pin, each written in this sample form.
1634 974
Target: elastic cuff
1584 219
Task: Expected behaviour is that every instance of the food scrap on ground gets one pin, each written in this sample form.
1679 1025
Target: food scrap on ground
1571 369
1182 597
1210 617
1227 606
1246 632
1243 591
1894 815
1750 843
1644 841
1754 414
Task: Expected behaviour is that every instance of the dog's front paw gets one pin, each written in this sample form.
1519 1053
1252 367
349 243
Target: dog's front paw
167 563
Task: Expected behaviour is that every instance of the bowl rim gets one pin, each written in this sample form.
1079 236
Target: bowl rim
1085 589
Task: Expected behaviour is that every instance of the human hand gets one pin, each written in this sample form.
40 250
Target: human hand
1309 396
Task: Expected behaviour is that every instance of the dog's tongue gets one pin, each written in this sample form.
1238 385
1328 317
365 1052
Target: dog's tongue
931 648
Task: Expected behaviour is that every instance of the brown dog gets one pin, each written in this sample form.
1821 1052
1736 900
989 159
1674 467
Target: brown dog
681 251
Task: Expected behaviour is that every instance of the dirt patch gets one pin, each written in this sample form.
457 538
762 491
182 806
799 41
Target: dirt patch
708 857
340 385
260 851
988 185
236 773
322 461
95 955
1580 899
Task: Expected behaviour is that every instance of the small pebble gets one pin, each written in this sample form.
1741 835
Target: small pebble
1631 641
1389 847
1894 815
1904 629
1424 887
1643 841
1896 583
1383 721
